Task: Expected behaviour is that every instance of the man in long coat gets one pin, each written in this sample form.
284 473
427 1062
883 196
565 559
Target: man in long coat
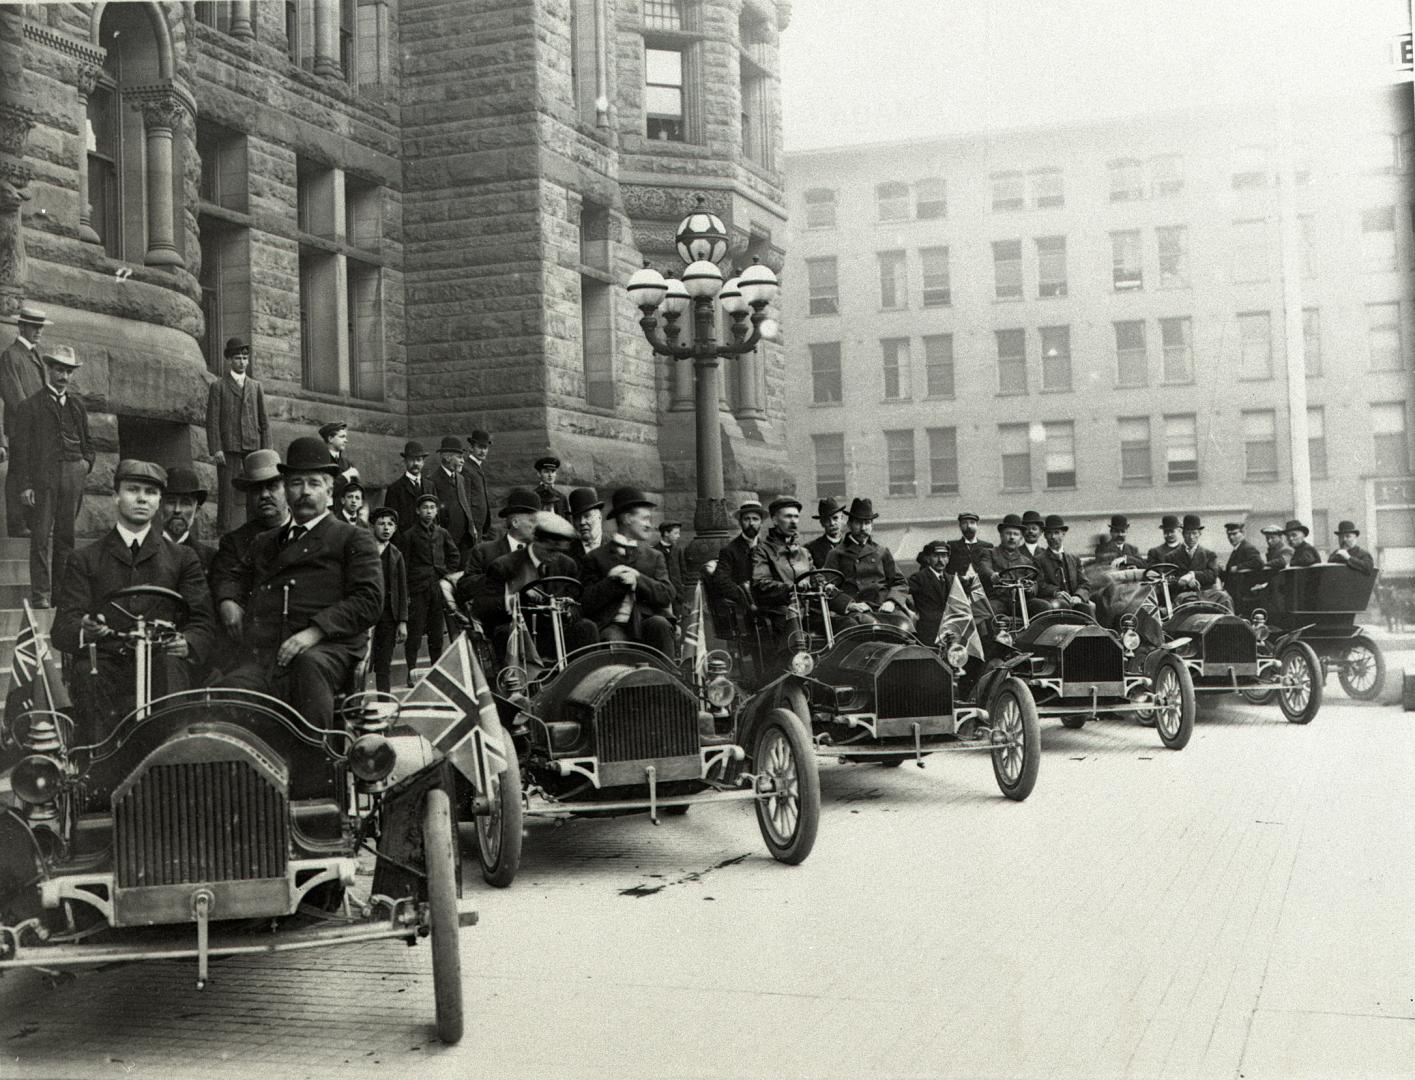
21 376
236 424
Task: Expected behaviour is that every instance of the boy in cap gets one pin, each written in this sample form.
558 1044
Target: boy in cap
1277 553
430 554
236 425
336 437
667 546
402 495
1353 556
551 497
21 376
392 626
350 496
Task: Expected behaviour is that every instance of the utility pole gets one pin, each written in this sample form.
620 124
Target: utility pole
1294 348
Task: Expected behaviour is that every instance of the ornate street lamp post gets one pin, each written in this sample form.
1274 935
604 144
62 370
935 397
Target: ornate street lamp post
702 244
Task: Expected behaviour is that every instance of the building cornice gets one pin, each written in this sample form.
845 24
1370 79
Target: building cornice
61 42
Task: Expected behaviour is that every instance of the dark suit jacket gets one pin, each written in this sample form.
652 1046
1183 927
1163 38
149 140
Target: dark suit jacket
1203 563
107 565
36 438
1276 559
733 574
206 552
230 550
775 567
870 574
1242 558
1054 581
553 499
821 547
1358 558
514 571
1163 553
930 595
1108 551
962 555
475 565
21 376
477 498
235 416
402 497
335 580
677 571
1304 554
395 584
428 553
603 595
999 559
456 514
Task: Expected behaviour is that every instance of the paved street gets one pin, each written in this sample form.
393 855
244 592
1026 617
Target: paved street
1240 909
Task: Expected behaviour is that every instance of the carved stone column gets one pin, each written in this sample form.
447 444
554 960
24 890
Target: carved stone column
16 119
87 79
242 20
162 116
326 38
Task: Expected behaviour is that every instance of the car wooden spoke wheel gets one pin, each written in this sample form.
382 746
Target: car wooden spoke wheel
440 856
1174 692
1017 740
1300 695
1362 671
788 804
499 829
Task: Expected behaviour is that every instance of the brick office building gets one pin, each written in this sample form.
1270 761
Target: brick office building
1088 320
420 212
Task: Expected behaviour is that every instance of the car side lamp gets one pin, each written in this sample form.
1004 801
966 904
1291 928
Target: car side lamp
371 760
1261 629
802 664
957 656
1129 638
36 781
719 692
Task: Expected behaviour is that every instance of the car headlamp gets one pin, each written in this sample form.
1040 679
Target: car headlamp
371 758
720 692
1004 637
802 663
957 655
1261 631
511 680
36 779
1130 640
1259 616
719 662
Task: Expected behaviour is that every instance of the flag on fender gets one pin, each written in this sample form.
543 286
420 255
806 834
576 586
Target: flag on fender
35 682
695 633
960 619
452 708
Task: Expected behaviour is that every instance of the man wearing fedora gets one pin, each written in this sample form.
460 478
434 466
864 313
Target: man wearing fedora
830 512
1114 549
21 377
1349 552
968 551
1008 553
873 589
587 515
450 487
551 497
1277 553
429 556
627 592
778 559
306 595
1244 558
478 447
266 508
403 494
929 585
1062 581
133 552
181 501
336 439
236 425
730 579
52 457
1303 553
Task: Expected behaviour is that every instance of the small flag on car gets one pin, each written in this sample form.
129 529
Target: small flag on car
452 708
960 620
695 634
34 678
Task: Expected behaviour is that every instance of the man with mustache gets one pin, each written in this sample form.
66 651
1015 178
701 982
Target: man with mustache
264 490
830 512
728 580
403 494
180 502
587 515
777 561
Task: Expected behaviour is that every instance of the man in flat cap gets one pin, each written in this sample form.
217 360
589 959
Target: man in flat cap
777 561
551 497
728 582
1277 553
968 551
450 487
830 512
133 552
478 499
263 487
1114 550
52 456
181 501
627 592
403 494
1348 552
929 585
236 425
21 376
1244 558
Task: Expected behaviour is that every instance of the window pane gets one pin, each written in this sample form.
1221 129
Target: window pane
663 14
897 383
663 101
1007 269
938 289
1389 434
1007 191
1176 337
1260 445
1378 239
1060 454
1250 250
1051 266
1132 365
1312 341
1173 243
1014 441
1011 361
1127 181
1056 357
930 199
938 364
893 201
1181 449
1135 457
663 67
893 282
1250 167
823 286
1383 336
1167 175
943 461
825 373
899 455
1126 267
1255 345
1317 442
830 465
820 208
1047 188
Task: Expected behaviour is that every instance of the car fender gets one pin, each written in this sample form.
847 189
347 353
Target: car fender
995 674
786 692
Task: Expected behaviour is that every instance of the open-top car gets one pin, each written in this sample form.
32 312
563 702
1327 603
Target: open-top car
1078 670
875 693
619 728
217 822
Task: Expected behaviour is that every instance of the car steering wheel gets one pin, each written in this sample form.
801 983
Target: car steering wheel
550 586
1017 575
156 592
1163 571
818 578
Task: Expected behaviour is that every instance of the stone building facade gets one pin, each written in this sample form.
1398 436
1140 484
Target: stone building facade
421 214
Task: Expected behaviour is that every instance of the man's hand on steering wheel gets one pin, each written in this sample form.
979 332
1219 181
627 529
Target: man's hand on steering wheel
95 627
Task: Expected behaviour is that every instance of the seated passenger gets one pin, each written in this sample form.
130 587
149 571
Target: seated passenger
873 589
729 580
777 560
1010 553
929 585
1355 557
1198 567
627 591
1303 553
1114 549
1277 553
1062 581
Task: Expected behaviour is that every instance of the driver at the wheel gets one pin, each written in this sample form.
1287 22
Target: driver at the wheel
777 561
131 553
1010 553
873 590
627 591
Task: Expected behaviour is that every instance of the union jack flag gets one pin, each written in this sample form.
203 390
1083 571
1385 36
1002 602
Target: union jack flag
34 682
451 707
695 633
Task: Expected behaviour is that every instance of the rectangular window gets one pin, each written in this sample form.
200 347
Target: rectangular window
1011 361
1383 336
899 459
1380 152
223 166
1166 175
663 94
1008 191
365 300
225 286
363 213
823 286
663 14
1255 345
1056 358
830 465
930 199
1181 449
103 137
1051 266
1132 364
938 365
1177 342
1250 168
1259 444
943 461
1378 239
1136 462
1312 341
893 281
1127 271
820 208
1307 229
892 201
1127 180
897 382
1047 188
292 31
826 388
1317 442
938 287
348 59
1250 250
1060 454
1014 440
1173 244
1392 457
1007 269
319 320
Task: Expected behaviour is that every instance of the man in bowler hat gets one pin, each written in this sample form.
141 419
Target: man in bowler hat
1349 552
236 424
627 591
1113 549
402 495
873 589
21 376
478 447
1303 553
450 487
181 502
830 512
1062 581
519 512
587 515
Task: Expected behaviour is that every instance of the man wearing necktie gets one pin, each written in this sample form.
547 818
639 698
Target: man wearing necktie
21 376
1062 581
627 591
928 587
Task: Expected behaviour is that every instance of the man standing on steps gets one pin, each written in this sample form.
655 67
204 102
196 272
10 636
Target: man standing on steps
450 487
478 446
235 425
21 376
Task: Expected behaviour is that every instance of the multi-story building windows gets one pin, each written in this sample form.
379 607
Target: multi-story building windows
1056 358
930 199
943 461
823 286
1383 336
1255 345
1132 364
1127 180
1390 442
665 108
820 208
1250 250
1181 448
1250 168
1060 454
1177 344
1312 341
663 14
830 465
892 201
893 281
1378 239
1166 175
897 379
1307 238
1127 269
827 387
1051 266
1008 191
1014 441
1007 269
1048 190
938 286
899 461
1011 361
754 37
1317 442
1173 244
598 356
1259 444
1136 457
938 365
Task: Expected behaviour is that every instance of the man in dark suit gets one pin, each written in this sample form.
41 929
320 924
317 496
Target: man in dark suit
873 589
1008 553
778 559
830 512
1062 581
1168 551
1303 553
520 511
392 627
450 488
402 495
587 515
307 594
929 585
478 498
508 574
1244 557
52 456
1354 556
21 376
181 500
668 546
133 552
431 558
627 592
968 550
551 497
1115 548
1032 525
264 489
731 573
1277 553
1198 566
236 425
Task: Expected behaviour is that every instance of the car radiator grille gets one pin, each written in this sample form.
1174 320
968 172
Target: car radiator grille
1092 660
638 722
914 687
1230 643
200 821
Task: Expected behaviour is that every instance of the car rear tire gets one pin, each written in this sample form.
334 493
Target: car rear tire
499 831
789 816
1363 671
1174 686
1300 666
1014 721
440 858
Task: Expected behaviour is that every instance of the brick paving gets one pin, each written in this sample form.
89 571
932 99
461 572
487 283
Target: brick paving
1240 909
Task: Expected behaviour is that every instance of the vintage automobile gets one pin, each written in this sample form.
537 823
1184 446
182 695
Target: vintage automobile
219 822
1078 670
618 728
1318 604
875 694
